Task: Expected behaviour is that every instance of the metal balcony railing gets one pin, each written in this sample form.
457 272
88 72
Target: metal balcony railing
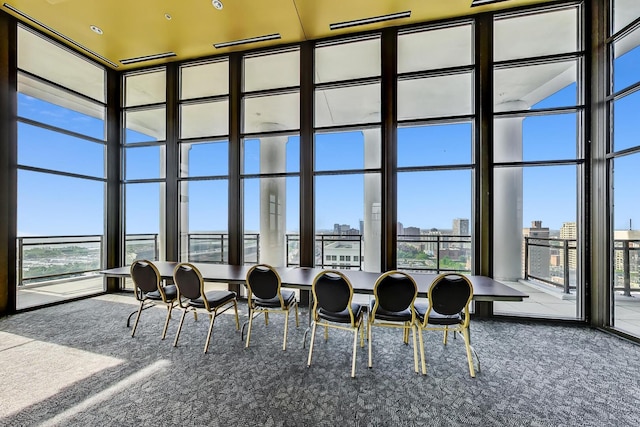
435 253
214 248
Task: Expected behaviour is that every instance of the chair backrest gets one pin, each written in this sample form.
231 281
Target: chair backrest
449 294
395 291
332 292
189 281
263 281
146 277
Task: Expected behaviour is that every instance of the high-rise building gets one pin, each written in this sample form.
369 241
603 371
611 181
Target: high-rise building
400 229
539 257
569 231
412 231
460 227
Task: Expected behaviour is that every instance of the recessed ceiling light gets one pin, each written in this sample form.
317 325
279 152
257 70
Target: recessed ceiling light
217 4
96 30
167 16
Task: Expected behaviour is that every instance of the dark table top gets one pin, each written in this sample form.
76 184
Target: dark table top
484 288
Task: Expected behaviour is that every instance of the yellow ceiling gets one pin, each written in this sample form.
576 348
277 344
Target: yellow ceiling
137 28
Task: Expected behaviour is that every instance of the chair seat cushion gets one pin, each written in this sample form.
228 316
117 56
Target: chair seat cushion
215 298
390 316
437 318
288 297
342 316
170 292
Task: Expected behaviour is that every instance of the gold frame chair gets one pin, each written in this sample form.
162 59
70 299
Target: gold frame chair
448 310
393 307
335 308
148 290
268 297
192 296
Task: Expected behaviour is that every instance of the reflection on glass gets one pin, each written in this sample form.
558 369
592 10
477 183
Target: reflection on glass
271 220
536 34
347 61
200 80
144 162
45 149
435 97
204 221
271 113
348 105
433 49
626 63
206 119
272 71
625 122
273 154
204 159
145 88
624 13
142 208
433 145
145 125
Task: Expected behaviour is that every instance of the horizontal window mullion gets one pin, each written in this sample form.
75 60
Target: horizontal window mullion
436 120
346 172
624 92
440 72
62 88
286 132
346 128
576 162
61 173
144 181
540 112
436 168
61 130
538 60
270 175
271 92
204 99
203 178
144 144
628 29
361 81
625 152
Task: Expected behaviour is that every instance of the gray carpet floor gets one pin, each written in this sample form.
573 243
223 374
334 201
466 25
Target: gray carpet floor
76 364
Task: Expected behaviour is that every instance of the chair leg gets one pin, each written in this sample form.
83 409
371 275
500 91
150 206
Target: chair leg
235 307
166 322
175 341
135 324
206 344
286 325
297 322
415 349
465 336
355 347
195 315
266 318
326 333
424 365
370 344
249 328
446 332
313 337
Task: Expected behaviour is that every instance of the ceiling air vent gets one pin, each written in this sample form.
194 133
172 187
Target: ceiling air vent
147 58
372 20
274 36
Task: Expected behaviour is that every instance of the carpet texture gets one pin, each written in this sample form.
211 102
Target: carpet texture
76 364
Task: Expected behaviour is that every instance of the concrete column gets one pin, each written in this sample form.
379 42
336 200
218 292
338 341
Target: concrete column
273 159
183 202
507 195
372 202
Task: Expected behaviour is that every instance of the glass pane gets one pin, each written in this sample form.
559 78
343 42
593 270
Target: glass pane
45 149
626 63
271 213
204 159
434 239
54 205
520 88
624 13
145 125
144 162
145 88
449 144
207 119
271 113
626 116
551 137
52 106
358 149
202 80
56 64
274 154
435 97
347 61
143 208
270 71
539 34
347 105
348 221
626 244
433 49
204 221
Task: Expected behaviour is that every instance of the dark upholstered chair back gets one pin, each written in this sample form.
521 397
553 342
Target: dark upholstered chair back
395 291
333 291
450 293
188 280
263 281
145 276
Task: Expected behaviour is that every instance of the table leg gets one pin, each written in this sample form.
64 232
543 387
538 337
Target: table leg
483 309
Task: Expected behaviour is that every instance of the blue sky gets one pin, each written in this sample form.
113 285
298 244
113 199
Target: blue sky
57 205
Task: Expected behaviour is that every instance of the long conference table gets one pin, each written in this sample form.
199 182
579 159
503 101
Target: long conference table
485 289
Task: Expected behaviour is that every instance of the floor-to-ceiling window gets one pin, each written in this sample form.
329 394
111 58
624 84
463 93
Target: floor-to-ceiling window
624 161
435 155
538 155
348 151
61 172
204 161
270 167
144 164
